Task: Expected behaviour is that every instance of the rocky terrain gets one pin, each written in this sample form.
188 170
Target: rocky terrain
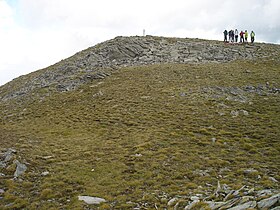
145 123
103 59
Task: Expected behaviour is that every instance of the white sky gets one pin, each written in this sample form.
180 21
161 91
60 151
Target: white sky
37 33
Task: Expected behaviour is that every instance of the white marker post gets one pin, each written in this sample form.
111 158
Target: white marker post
144 32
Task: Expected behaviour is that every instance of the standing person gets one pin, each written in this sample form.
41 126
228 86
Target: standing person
252 36
232 36
246 36
229 36
242 36
236 35
225 35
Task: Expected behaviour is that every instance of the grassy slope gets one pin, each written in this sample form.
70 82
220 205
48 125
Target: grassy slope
141 110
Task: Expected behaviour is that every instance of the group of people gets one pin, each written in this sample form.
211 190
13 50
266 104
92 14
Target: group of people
232 36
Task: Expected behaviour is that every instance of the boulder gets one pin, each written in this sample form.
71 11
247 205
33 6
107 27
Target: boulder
21 168
91 200
269 202
248 205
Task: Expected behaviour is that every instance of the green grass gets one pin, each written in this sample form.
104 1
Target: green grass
141 142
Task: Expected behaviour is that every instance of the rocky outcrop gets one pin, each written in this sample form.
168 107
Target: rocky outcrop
226 198
101 60
8 162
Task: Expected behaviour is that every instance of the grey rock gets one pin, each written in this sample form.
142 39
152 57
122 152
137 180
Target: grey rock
265 192
230 194
9 154
201 172
100 93
250 204
91 200
267 203
241 199
45 173
230 203
250 192
234 113
276 208
244 112
21 168
237 192
214 140
250 171
225 189
214 205
172 202
191 205
238 94
245 199
47 157
138 155
273 179
9 205
218 189
275 90
182 94
2 191
2 164
194 198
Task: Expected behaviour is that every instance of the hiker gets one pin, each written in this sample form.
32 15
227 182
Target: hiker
225 35
241 36
231 36
246 36
236 35
252 36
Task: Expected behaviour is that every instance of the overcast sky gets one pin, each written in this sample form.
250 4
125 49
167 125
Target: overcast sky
37 33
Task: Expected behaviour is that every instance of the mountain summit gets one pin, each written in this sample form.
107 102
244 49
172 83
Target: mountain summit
103 59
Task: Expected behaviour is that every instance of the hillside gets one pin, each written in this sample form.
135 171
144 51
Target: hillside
144 123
